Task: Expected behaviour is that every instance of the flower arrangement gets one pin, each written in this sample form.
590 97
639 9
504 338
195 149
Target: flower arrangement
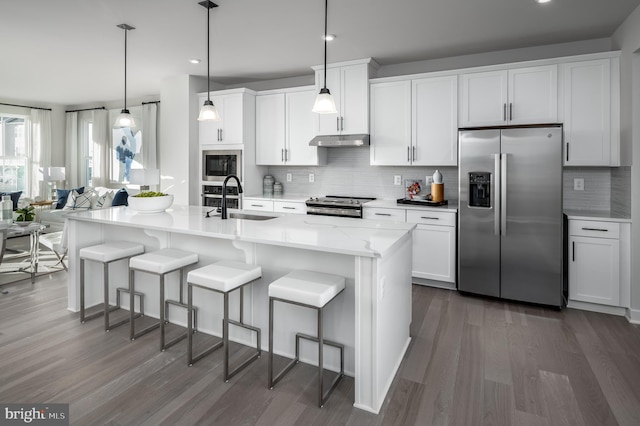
25 214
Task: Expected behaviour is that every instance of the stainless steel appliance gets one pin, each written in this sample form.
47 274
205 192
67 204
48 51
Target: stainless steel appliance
335 205
510 213
212 196
218 164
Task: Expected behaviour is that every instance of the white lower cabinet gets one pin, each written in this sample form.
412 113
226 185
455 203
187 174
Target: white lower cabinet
434 245
276 206
377 213
594 262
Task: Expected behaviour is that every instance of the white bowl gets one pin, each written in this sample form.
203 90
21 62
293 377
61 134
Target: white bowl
150 204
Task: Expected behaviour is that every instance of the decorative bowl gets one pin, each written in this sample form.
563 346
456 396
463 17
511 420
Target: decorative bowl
150 204
24 222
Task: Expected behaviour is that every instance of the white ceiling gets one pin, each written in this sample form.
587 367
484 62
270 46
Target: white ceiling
70 52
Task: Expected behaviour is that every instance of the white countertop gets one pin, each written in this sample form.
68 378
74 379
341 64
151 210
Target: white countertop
283 197
602 215
452 207
356 237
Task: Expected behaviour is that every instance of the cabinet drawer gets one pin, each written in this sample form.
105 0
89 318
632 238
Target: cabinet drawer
591 228
261 205
384 214
429 217
289 207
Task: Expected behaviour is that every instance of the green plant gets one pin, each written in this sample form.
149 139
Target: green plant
25 214
148 194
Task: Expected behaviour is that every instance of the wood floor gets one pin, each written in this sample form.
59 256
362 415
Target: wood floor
472 361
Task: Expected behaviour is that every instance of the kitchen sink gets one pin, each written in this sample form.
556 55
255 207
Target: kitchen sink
246 216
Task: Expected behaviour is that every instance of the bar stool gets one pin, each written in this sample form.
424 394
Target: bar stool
106 254
224 277
312 290
161 262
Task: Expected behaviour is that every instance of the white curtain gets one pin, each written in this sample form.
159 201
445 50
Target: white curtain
71 160
101 148
149 136
40 149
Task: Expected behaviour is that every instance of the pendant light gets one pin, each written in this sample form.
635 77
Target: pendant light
125 119
208 112
324 101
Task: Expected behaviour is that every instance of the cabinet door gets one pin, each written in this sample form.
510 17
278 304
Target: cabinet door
231 113
594 270
209 131
270 129
300 129
329 124
587 112
434 253
257 204
354 101
391 124
533 95
435 121
289 207
483 99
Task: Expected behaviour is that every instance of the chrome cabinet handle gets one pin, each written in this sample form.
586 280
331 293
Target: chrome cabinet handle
567 151
337 124
414 153
430 218
595 229
573 251
282 155
288 208
510 111
286 154
408 154
257 205
382 214
221 135
341 123
504 112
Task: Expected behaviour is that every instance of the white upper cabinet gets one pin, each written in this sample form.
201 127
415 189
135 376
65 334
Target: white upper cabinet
435 121
591 130
414 122
349 85
390 123
284 126
508 97
236 109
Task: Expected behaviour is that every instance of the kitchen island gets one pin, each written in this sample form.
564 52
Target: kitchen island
371 317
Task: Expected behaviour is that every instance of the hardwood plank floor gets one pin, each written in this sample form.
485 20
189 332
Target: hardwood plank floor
472 361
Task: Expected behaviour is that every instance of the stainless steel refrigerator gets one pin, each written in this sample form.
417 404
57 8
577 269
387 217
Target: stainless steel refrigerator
510 224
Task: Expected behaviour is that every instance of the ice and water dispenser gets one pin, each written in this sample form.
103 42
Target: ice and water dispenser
480 189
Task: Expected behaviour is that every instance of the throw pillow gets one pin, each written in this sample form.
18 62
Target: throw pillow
121 198
104 201
77 201
15 196
63 194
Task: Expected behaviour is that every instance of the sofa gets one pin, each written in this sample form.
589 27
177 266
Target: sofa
80 199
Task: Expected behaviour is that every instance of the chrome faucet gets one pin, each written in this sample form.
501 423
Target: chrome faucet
224 194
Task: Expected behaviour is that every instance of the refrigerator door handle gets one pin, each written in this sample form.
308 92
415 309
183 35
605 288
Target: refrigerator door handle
496 195
503 195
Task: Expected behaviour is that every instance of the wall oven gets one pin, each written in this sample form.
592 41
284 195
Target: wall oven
218 164
212 196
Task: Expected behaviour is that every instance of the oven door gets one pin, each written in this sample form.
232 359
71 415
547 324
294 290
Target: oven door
217 165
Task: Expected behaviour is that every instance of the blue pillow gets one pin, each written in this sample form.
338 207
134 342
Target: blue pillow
63 194
15 196
121 198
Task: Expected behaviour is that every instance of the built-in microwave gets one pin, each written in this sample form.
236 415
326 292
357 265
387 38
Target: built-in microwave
218 164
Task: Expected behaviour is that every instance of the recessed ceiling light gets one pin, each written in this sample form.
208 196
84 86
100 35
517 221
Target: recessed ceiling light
194 61
330 37
543 1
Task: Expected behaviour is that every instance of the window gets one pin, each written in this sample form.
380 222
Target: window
125 147
89 155
13 154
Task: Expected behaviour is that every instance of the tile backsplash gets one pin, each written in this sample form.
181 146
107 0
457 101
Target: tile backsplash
348 173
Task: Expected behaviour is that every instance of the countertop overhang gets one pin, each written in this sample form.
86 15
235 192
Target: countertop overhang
356 237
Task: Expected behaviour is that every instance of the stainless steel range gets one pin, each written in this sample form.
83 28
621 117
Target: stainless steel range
334 205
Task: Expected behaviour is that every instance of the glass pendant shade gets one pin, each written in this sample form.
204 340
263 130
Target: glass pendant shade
125 119
208 112
324 103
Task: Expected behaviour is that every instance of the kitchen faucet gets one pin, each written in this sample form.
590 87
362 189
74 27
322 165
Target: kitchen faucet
224 194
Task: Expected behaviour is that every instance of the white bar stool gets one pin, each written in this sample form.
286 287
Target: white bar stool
223 277
106 254
160 263
312 290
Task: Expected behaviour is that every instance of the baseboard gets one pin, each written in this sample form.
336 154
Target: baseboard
633 316
433 283
594 307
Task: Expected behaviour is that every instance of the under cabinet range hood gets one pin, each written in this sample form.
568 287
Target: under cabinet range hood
340 140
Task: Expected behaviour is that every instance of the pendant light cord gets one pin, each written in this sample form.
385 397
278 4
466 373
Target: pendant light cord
208 52
326 5
125 68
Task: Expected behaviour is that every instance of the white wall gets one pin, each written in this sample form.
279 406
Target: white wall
627 39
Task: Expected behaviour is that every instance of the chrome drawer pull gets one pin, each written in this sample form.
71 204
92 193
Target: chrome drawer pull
257 205
383 214
595 229
288 208
431 218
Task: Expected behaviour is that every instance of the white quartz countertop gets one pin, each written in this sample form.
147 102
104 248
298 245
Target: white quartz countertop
393 204
356 237
601 215
284 197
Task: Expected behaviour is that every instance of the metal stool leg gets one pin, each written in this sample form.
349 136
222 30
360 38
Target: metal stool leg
320 358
